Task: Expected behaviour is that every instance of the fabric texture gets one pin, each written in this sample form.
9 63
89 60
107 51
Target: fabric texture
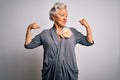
59 61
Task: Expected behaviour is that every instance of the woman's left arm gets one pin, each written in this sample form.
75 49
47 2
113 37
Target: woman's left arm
88 30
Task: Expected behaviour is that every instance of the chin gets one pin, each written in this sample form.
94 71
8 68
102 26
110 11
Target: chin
62 25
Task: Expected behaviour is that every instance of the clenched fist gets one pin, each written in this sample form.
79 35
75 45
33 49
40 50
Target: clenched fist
84 22
34 26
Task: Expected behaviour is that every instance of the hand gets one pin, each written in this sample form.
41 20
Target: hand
84 22
34 26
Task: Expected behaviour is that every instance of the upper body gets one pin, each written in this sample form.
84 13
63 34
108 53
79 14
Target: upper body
59 14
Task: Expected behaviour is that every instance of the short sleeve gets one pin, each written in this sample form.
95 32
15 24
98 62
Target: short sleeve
80 38
36 41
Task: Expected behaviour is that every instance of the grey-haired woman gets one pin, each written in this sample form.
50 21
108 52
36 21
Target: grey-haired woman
59 61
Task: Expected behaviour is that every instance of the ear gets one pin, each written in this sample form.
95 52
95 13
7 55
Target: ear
53 17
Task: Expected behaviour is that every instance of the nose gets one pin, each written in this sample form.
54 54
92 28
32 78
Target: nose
65 18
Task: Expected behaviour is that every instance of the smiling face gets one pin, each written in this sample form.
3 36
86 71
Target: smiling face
60 18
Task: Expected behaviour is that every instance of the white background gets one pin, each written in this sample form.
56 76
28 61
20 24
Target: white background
98 62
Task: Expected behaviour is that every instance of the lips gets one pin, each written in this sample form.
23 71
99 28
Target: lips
64 21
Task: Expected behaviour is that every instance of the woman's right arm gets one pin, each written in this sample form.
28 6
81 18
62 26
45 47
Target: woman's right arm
28 37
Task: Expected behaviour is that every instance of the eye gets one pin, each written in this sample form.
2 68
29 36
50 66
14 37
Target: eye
61 14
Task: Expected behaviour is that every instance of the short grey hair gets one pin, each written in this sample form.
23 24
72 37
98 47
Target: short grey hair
57 6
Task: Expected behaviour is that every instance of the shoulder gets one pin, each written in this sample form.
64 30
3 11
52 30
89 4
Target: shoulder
46 31
73 30
76 32
43 33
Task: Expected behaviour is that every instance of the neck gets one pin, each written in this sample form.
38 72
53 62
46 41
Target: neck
58 27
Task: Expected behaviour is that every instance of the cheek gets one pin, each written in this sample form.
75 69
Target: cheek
57 18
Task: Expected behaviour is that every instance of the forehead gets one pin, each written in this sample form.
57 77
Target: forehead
62 11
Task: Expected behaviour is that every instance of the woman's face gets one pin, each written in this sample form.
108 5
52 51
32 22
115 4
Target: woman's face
61 17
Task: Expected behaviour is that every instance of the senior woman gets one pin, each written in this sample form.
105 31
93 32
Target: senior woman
59 61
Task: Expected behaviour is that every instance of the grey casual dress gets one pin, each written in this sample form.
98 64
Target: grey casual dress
59 61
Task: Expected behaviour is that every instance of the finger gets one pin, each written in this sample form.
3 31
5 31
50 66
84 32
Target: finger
81 22
36 26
